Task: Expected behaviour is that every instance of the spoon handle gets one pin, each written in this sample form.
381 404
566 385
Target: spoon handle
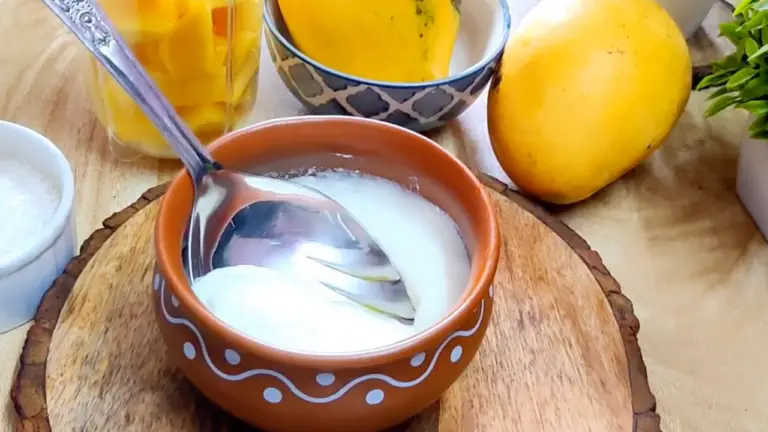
89 23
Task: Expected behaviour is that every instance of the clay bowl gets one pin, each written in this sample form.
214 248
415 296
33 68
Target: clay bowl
279 390
483 31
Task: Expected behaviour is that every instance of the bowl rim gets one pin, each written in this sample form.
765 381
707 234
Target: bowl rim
506 30
433 335
63 179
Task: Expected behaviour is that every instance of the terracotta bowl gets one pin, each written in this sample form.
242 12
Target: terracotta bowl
279 390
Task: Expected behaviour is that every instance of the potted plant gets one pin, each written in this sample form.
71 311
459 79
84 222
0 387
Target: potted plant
740 80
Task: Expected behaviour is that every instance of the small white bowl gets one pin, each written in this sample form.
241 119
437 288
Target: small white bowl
26 275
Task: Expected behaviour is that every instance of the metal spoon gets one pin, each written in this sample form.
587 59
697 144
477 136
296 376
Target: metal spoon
240 218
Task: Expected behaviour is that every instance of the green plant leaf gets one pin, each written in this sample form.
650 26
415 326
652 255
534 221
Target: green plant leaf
716 79
740 78
731 31
759 124
744 5
761 80
757 107
759 6
727 64
755 23
731 63
717 93
756 88
761 134
750 47
758 21
757 54
720 104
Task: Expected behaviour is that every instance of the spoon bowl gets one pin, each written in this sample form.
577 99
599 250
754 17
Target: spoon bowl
244 219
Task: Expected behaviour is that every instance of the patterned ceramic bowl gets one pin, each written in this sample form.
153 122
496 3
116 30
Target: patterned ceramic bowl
484 29
280 390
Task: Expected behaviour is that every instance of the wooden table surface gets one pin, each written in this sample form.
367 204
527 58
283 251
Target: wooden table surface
672 231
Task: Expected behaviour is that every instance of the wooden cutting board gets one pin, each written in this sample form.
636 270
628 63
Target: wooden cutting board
560 354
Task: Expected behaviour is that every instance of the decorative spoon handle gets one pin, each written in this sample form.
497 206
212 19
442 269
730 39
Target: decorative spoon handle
89 23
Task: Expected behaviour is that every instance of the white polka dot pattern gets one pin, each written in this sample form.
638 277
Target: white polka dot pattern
275 395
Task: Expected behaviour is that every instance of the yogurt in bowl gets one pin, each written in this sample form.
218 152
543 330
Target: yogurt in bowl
264 363
300 314
37 236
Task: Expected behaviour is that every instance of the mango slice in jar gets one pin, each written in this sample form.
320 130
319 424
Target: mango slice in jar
148 54
220 50
221 17
248 16
126 121
139 20
240 49
245 16
246 27
190 92
243 79
131 126
207 89
188 50
207 120
244 48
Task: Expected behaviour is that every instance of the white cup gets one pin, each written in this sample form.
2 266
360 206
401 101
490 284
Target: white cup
26 275
752 181
688 14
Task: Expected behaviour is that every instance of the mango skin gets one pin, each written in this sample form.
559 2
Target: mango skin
384 40
587 89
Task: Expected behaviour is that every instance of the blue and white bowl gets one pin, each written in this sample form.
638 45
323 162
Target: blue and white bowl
484 30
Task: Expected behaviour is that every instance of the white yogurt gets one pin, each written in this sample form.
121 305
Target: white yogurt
291 313
28 201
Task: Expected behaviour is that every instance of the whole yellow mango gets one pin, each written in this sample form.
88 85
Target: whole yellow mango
586 90
387 40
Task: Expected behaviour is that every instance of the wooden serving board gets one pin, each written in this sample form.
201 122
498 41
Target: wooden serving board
561 352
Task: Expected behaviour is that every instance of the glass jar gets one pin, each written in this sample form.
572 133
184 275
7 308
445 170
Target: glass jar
202 54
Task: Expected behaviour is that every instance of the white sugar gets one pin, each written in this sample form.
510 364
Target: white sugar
28 201
298 314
